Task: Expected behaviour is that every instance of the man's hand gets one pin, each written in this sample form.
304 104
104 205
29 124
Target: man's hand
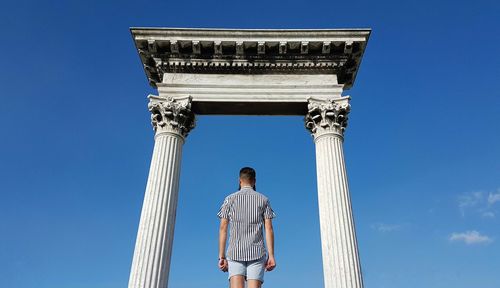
223 265
270 264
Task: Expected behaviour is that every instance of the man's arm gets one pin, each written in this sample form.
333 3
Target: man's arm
222 244
271 262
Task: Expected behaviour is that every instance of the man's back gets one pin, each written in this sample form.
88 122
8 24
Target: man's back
246 211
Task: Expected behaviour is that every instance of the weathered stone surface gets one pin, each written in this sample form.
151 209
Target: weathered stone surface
251 51
341 267
153 248
239 94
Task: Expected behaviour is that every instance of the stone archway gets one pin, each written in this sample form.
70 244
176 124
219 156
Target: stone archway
248 72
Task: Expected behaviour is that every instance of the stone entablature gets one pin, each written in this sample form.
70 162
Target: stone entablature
237 94
251 51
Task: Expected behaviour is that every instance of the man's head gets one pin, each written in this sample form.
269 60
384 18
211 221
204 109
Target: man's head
247 176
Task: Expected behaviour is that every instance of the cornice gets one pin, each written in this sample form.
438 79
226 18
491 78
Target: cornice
251 51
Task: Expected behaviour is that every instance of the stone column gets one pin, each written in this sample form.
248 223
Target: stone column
172 120
327 119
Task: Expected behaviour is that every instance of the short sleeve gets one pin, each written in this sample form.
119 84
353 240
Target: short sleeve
224 209
268 211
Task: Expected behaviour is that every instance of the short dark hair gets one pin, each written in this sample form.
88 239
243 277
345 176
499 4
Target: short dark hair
247 173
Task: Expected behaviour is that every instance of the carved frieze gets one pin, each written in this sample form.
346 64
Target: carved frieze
221 51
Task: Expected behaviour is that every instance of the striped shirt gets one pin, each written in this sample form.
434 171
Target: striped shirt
246 211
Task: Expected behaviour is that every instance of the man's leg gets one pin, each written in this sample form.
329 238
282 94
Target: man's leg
254 283
237 281
237 273
255 272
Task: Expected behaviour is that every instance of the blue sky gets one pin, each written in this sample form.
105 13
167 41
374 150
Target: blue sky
421 148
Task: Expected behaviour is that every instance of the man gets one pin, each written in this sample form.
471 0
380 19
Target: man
247 211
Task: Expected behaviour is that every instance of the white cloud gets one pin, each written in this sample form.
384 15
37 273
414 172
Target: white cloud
470 200
493 198
488 214
383 227
479 203
470 237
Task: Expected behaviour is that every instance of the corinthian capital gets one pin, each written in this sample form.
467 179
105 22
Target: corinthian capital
171 115
327 116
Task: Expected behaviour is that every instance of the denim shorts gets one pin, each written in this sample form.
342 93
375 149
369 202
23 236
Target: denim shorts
252 270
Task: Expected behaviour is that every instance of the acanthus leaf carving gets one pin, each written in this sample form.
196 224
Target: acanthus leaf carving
327 116
173 115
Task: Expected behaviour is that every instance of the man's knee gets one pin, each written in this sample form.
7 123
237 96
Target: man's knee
237 281
254 283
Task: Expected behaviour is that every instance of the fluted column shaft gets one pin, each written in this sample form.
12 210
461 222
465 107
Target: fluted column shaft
172 120
341 266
